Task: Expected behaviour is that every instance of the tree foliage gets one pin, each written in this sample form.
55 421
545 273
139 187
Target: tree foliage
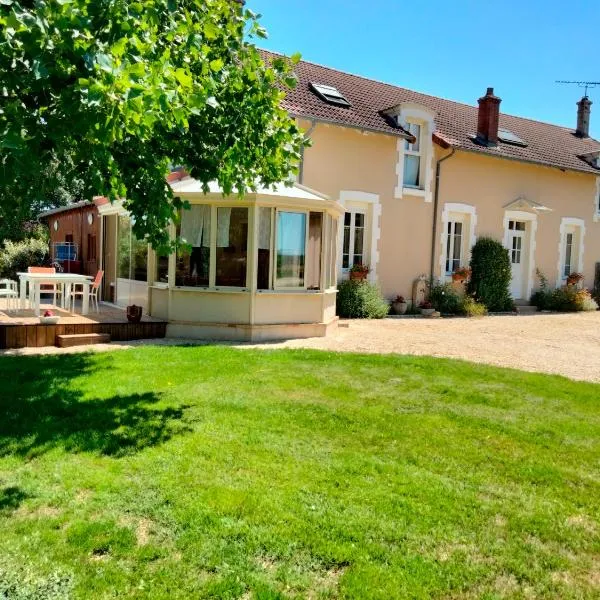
116 91
490 275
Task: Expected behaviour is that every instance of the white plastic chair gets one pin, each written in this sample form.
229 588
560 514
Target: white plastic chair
9 290
94 290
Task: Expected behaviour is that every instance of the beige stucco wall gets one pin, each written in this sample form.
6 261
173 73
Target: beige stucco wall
343 159
348 159
197 306
489 184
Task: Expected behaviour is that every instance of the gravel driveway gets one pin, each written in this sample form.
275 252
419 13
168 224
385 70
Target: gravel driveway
565 344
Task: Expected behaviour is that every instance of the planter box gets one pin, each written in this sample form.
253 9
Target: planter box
49 320
399 308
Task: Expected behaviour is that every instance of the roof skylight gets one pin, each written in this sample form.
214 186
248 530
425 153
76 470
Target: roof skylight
508 137
329 94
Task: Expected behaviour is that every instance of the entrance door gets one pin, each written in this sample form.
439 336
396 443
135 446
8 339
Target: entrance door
517 232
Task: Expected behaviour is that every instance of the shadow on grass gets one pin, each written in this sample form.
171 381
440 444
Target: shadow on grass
40 410
11 498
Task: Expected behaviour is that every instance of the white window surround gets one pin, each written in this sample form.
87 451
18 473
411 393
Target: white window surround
519 215
577 260
410 112
372 206
461 210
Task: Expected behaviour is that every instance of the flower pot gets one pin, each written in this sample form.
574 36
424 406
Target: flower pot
427 312
134 313
49 320
399 308
358 275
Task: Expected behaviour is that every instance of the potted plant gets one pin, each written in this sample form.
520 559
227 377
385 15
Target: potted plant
461 274
574 278
426 308
399 305
134 313
359 272
49 318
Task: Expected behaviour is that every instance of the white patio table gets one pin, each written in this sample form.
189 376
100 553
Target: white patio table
36 280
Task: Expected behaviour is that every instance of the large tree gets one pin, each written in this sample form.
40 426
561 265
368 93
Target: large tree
118 90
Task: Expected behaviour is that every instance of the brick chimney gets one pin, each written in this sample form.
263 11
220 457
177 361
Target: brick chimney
487 119
584 108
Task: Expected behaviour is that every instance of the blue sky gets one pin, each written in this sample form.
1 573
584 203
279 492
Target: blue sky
453 49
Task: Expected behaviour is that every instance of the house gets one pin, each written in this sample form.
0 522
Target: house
422 177
74 237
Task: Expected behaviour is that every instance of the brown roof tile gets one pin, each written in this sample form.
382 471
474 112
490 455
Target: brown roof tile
547 144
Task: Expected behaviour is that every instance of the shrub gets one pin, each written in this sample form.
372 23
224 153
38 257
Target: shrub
585 301
490 275
570 299
542 298
360 300
445 298
17 256
471 308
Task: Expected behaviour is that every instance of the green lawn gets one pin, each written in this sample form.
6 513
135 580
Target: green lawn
213 472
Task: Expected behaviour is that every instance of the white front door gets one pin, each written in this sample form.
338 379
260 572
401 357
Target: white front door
517 249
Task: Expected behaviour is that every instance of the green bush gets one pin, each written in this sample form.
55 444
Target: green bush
471 308
571 299
490 275
445 298
360 300
17 256
542 298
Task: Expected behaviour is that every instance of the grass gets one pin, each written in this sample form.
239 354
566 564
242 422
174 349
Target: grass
211 472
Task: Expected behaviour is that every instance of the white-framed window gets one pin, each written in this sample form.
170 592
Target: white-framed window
217 252
572 231
454 245
353 245
414 165
412 157
457 237
568 262
291 242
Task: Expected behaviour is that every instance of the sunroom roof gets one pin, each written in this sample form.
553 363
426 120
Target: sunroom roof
189 185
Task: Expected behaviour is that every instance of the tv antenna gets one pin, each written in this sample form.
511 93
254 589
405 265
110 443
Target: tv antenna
583 84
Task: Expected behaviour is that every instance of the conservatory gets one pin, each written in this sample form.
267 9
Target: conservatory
258 268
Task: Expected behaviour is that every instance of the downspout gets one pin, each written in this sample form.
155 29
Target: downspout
307 135
435 213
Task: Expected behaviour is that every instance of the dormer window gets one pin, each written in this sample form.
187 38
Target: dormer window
329 94
414 170
412 157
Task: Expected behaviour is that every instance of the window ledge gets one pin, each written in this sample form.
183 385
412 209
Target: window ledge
412 191
207 290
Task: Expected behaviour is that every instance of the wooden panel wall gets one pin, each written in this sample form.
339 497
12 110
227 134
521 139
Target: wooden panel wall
36 336
75 223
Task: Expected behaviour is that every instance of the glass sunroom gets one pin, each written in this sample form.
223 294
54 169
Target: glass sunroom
258 268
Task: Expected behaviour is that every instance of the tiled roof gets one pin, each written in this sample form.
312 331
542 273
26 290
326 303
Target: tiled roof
547 144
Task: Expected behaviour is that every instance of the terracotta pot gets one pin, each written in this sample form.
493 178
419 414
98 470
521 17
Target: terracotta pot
134 313
399 308
358 275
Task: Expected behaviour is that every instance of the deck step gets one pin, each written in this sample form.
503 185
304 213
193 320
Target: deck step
526 309
81 339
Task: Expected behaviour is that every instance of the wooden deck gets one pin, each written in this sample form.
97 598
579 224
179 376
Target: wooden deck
23 329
